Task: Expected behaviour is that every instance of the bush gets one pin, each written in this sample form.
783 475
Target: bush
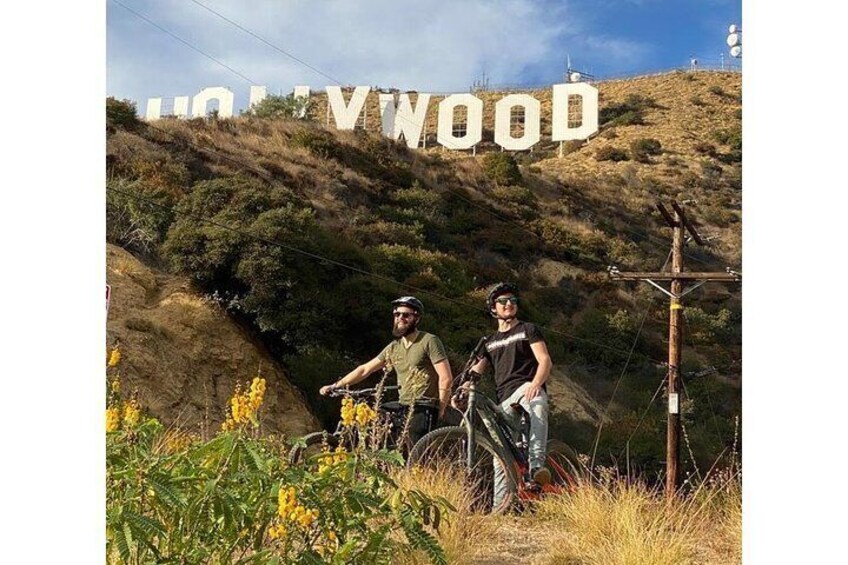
573 146
121 113
697 101
629 112
175 497
276 106
610 153
501 168
716 90
320 143
137 217
643 148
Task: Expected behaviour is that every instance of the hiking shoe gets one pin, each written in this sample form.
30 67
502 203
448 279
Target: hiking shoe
542 476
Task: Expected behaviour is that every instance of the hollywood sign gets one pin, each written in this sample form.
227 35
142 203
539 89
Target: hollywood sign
400 117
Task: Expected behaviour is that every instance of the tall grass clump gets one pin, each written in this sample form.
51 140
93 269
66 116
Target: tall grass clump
617 522
463 533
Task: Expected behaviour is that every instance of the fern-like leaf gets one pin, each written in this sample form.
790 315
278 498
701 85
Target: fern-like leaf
420 539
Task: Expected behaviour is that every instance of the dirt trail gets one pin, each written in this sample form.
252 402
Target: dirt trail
517 540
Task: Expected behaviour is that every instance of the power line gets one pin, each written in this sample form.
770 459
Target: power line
643 234
266 42
360 271
620 378
184 42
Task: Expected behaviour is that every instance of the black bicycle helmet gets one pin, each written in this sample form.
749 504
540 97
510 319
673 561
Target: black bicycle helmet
410 301
497 290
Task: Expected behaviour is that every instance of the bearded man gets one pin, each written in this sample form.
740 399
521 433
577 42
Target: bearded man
420 362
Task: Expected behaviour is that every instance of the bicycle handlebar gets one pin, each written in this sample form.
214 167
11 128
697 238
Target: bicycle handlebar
361 393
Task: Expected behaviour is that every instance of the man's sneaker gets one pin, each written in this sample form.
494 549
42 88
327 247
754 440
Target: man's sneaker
542 476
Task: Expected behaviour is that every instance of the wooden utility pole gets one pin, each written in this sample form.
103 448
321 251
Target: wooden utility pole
679 224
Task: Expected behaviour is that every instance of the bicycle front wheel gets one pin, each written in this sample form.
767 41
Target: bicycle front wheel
445 451
312 444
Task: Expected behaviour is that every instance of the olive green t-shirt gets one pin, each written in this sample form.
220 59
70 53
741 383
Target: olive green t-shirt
414 366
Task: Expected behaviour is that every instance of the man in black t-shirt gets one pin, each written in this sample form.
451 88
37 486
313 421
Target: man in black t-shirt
521 363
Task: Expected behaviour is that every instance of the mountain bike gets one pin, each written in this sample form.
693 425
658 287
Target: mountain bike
486 438
391 419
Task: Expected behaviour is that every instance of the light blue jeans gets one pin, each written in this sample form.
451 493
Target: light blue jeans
538 410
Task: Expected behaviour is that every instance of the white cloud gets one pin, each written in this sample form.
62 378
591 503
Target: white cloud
434 46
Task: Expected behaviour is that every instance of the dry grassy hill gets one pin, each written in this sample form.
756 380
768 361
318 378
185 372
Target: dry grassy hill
446 222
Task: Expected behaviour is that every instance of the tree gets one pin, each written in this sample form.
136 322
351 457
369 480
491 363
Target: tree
276 106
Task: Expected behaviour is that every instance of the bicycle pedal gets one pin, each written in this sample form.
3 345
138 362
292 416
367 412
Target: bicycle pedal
532 486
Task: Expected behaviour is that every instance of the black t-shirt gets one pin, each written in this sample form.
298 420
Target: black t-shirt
511 357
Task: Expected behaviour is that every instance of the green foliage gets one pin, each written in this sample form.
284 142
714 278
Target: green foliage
278 288
631 112
319 142
643 148
432 270
218 501
697 101
277 106
137 217
716 90
610 153
519 200
121 113
501 168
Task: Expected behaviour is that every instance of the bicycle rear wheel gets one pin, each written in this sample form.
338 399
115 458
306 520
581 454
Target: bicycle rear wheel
563 463
312 444
445 450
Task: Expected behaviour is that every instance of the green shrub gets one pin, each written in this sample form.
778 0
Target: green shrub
629 112
319 142
610 153
501 168
173 497
716 90
276 106
121 113
137 217
697 101
643 148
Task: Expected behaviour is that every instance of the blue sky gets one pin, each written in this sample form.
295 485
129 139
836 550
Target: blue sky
433 46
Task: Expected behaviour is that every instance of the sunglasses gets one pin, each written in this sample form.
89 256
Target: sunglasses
504 300
403 315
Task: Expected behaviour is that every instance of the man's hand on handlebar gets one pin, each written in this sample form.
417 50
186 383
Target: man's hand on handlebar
325 390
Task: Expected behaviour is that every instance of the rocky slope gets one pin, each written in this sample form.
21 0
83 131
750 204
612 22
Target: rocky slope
183 354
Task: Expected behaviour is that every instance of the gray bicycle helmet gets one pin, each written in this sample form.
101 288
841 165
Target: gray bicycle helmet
411 302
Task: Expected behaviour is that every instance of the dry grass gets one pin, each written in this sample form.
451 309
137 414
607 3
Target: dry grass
630 524
463 534
604 522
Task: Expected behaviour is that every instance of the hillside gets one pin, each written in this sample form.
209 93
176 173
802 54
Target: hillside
304 234
183 354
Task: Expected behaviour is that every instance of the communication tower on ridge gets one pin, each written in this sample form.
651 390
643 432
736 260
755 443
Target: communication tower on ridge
573 75
734 41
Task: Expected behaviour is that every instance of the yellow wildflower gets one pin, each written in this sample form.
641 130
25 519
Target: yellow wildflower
348 412
257 393
115 357
113 418
115 385
364 414
132 413
278 531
